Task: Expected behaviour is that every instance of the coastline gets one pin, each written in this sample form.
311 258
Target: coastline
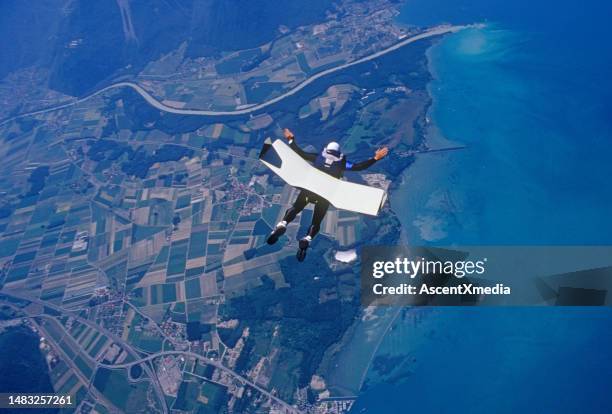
431 137
370 322
520 123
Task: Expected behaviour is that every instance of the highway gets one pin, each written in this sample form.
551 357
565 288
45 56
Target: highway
68 361
288 408
128 348
151 100
139 359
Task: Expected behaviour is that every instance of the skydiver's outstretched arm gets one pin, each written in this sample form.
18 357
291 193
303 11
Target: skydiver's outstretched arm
359 166
308 156
379 154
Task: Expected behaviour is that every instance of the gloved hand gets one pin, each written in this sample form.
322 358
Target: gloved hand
381 153
288 134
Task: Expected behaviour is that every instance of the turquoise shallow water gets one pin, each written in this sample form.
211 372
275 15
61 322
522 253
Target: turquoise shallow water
530 97
536 168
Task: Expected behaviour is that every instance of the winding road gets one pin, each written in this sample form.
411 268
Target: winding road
151 100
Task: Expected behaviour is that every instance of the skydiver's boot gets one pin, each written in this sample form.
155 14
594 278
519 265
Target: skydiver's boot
278 231
304 244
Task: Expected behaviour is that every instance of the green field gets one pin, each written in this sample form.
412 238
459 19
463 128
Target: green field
114 384
192 288
178 257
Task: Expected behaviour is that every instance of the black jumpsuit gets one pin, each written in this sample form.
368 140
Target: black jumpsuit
336 169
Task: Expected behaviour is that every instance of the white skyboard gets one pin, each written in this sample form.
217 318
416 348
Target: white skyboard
298 172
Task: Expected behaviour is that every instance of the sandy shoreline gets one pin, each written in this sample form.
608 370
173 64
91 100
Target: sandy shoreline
374 323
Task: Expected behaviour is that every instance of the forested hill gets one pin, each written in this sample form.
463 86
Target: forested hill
85 42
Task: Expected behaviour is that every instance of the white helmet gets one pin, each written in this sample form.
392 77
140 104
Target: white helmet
333 146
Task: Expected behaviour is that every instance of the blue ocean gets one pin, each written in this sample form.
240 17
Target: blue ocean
530 97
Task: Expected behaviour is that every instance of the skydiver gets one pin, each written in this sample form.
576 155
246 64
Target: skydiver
331 161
